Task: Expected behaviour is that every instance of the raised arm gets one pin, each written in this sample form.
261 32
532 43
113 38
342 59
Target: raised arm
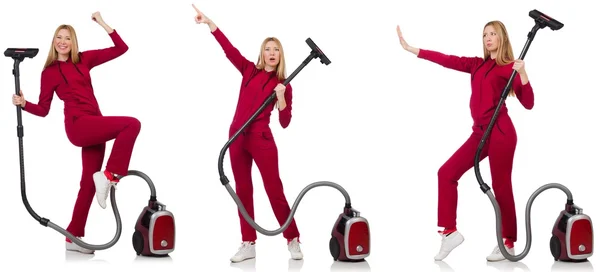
462 64
93 58
284 104
47 87
521 85
233 54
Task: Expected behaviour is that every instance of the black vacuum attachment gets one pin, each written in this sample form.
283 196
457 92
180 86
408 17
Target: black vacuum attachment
317 51
21 53
544 20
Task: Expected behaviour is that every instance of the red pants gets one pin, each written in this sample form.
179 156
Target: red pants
500 148
261 147
91 134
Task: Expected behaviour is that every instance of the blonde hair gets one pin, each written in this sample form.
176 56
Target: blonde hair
53 55
281 72
505 53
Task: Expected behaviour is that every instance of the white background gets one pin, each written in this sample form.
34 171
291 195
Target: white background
376 119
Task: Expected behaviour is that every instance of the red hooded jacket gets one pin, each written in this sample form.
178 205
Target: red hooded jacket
256 86
72 82
487 83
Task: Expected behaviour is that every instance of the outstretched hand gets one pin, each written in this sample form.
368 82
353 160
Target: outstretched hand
200 18
404 43
401 38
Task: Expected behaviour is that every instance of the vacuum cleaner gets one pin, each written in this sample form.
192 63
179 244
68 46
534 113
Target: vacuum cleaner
154 234
572 236
350 236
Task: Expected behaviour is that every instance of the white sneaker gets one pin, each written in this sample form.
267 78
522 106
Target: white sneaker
246 251
294 248
103 186
496 255
449 243
70 246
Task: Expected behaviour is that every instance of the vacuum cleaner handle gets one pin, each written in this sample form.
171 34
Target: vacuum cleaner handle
18 55
541 21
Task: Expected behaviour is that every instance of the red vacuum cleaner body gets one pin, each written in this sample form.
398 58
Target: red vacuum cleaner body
154 231
350 237
573 236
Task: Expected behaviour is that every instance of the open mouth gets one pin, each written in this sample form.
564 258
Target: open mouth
271 59
62 47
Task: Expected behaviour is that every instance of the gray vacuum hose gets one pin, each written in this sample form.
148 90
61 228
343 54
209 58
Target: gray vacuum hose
293 209
516 258
113 202
85 245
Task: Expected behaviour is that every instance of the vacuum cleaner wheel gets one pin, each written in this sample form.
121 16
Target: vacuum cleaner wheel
138 242
334 248
555 247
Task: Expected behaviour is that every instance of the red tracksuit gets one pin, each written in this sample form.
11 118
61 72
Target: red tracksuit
487 83
84 124
256 142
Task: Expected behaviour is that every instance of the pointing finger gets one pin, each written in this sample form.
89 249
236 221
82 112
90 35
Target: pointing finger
197 10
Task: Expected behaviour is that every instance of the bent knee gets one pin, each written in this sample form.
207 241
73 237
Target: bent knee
445 173
134 124
449 174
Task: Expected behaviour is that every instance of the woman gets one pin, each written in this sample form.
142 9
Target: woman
489 76
67 73
256 142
